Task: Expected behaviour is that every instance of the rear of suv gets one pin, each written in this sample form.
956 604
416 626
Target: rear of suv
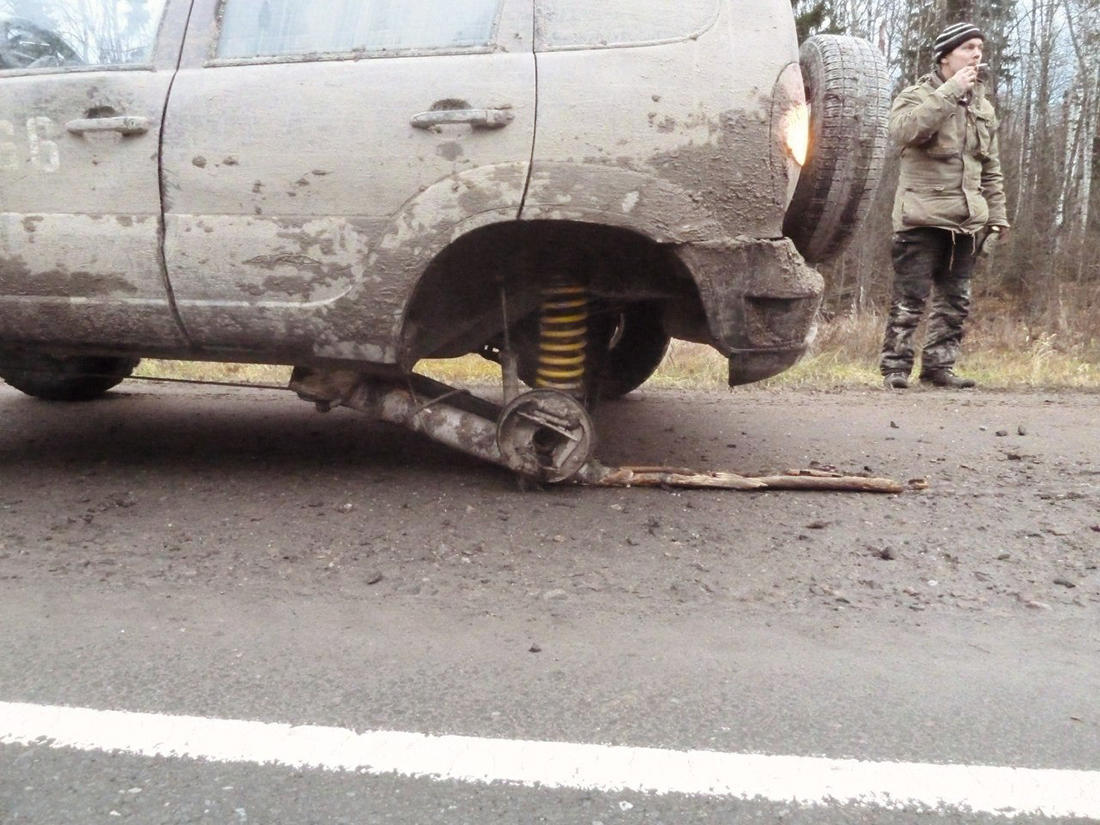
338 184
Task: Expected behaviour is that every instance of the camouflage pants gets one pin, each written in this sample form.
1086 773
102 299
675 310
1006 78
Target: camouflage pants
936 262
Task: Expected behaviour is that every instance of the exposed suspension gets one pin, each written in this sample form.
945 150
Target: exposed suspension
563 337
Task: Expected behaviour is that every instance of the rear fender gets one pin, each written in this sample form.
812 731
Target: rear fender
365 323
619 197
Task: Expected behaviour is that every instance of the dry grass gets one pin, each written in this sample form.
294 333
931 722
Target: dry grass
210 371
1000 353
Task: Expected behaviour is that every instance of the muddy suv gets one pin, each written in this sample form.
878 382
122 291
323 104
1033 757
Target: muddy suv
355 186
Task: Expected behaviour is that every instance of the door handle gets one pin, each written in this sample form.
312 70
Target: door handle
124 124
478 118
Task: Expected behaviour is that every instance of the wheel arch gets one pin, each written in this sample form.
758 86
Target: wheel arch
456 303
574 214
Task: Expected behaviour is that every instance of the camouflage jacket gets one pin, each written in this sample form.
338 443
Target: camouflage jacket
950 169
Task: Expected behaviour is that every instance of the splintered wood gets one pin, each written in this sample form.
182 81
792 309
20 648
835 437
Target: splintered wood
791 480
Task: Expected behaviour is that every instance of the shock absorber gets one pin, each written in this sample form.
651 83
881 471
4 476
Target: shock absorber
563 336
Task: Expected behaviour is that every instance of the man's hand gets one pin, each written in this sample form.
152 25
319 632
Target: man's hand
966 77
994 237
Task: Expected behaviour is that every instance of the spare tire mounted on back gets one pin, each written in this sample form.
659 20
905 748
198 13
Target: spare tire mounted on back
847 89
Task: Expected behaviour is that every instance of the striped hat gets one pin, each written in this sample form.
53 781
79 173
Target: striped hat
952 37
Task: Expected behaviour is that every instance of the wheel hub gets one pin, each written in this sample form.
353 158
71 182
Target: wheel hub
546 435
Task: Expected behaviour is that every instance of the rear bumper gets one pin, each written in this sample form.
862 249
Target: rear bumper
746 366
760 299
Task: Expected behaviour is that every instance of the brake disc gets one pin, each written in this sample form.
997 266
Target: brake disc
545 435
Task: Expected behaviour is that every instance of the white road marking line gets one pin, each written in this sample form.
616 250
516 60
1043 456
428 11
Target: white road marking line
1004 791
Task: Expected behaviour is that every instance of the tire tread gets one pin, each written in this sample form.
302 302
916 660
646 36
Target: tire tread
849 111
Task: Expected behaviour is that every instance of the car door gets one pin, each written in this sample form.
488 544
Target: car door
319 153
82 91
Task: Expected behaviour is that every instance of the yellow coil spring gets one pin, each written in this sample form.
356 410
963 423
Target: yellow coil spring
563 336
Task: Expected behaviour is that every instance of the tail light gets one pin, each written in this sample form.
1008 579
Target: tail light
796 132
791 123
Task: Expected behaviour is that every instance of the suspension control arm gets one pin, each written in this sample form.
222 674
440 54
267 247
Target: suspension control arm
452 417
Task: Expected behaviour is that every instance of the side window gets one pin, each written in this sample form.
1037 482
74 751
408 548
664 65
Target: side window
270 28
575 24
43 34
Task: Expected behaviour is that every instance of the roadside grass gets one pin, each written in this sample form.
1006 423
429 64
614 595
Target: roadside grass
274 374
999 353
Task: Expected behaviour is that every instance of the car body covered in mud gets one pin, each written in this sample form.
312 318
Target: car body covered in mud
344 184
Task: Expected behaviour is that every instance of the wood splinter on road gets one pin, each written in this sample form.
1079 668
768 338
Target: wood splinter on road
791 480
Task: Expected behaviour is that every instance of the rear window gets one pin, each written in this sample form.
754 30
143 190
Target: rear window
574 24
270 28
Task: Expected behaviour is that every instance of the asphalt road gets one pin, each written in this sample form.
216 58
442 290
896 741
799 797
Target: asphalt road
230 554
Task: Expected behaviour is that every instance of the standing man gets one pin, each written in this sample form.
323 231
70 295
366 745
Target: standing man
950 201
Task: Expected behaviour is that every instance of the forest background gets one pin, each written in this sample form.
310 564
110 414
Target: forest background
1039 295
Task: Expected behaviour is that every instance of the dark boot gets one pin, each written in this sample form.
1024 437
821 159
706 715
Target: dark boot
946 378
895 381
